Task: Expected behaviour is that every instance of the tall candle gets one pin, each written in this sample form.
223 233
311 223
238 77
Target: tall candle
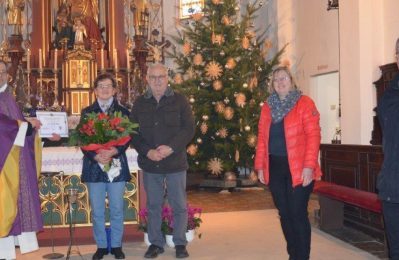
28 60
115 59
102 58
40 59
55 59
127 59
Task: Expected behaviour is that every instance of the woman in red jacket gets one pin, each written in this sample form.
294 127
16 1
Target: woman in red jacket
287 157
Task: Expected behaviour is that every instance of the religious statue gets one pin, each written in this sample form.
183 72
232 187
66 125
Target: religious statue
80 31
14 14
156 51
63 28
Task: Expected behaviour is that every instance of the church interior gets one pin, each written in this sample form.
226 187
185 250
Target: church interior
342 55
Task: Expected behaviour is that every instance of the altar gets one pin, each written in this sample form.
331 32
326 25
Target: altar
53 191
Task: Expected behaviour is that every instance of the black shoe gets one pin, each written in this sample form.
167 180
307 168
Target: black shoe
100 253
118 253
153 251
181 251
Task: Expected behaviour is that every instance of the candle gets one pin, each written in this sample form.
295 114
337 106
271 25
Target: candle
115 59
28 60
127 59
40 59
55 59
102 58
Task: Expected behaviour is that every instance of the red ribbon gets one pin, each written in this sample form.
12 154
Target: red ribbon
96 147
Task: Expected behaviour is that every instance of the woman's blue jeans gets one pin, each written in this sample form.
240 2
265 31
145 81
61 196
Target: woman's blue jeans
97 194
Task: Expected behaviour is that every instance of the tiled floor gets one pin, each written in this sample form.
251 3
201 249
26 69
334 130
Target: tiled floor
255 198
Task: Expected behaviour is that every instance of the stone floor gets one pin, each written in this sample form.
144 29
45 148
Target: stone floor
259 197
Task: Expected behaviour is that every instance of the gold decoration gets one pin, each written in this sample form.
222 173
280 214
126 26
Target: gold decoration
245 43
251 140
217 38
190 73
237 156
219 107
197 16
217 85
178 79
215 166
204 128
226 20
241 99
186 48
213 70
231 63
223 132
192 149
197 59
253 82
228 113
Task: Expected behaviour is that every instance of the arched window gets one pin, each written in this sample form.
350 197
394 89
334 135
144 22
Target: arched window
189 7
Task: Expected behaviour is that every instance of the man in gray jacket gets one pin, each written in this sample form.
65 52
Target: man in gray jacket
166 126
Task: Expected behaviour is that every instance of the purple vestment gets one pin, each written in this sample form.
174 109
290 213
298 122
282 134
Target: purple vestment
28 217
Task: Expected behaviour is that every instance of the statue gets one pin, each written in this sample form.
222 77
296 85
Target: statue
14 14
80 31
156 51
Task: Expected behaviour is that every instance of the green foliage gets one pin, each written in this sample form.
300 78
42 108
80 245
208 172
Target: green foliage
224 38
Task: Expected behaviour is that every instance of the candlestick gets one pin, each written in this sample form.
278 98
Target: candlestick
127 60
40 59
115 59
102 58
28 60
55 59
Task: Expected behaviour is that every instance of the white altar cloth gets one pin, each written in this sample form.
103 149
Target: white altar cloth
70 160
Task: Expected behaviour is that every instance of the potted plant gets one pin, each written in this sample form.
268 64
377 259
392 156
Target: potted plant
193 223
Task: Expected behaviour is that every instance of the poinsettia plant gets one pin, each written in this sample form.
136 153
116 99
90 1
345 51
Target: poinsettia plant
193 222
98 131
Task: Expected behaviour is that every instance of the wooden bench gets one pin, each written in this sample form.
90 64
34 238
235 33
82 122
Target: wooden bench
332 198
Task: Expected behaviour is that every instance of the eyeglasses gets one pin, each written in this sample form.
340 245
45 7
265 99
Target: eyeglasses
104 86
276 80
154 78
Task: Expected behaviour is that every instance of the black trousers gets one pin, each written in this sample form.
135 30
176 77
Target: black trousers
292 205
391 221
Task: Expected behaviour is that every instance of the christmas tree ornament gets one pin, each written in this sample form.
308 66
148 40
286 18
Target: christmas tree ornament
253 176
245 43
196 162
217 85
186 48
247 128
241 99
233 137
190 73
226 100
228 113
197 60
252 103
178 79
204 128
231 63
260 69
215 166
222 53
199 140
261 104
192 149
216 2
230 176
205 117
219 107
237 156
213 70
231 78
251 140
245 85
223 132
237 8
197 16
191 100
202 84
253 82
226 20
217 38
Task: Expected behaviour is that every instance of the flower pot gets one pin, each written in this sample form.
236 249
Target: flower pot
146 240
189 236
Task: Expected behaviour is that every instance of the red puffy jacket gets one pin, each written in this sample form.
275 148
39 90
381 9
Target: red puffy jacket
302 136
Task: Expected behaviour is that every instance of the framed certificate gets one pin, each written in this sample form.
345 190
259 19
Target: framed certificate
52 123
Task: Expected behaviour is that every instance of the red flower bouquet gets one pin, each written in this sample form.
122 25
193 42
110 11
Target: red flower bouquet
101 131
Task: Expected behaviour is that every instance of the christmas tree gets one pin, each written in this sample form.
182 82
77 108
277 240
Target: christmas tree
222 69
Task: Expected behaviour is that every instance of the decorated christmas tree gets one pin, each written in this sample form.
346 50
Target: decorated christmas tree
222 68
